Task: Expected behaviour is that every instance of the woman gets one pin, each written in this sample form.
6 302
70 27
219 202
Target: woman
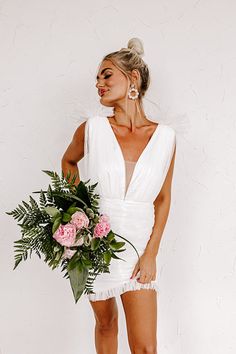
132 159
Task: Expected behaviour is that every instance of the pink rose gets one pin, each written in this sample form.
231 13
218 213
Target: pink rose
80 220
68 253
65 234
101 229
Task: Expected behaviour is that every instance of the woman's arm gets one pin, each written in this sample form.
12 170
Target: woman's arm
74 153
162 207
147 261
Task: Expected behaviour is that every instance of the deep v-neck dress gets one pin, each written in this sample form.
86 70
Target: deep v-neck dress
126 199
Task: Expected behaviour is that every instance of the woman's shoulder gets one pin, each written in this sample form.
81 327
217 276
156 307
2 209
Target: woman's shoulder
168 128
93 119
91 124
169 134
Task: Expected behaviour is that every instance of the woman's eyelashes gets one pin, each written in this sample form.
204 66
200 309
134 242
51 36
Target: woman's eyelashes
106 77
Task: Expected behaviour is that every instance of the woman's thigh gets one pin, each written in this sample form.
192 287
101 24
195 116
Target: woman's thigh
140 307
105 312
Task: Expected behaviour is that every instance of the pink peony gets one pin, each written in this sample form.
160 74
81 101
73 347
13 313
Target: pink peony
80 220
68 253
101 229
65 234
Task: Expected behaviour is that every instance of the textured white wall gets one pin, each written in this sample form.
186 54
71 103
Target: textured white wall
50 51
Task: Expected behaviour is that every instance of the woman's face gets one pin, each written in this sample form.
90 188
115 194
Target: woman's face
111 84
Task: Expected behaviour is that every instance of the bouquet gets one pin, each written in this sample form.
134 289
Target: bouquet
65 226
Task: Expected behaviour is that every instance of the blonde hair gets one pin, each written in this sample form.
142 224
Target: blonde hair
128 59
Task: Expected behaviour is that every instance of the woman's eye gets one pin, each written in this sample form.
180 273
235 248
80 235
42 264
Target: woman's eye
106 77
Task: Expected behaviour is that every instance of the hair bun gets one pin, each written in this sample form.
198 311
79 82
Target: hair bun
137 45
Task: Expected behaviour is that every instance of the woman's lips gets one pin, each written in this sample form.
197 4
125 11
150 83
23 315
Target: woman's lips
103 92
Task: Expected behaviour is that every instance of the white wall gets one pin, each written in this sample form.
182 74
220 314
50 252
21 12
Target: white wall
50 51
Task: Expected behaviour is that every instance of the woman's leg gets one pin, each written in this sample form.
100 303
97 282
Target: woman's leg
106 328
140 307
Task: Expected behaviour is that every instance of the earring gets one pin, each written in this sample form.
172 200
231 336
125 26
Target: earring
133 89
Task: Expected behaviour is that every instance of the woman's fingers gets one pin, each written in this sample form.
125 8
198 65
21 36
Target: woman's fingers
145 278
135 271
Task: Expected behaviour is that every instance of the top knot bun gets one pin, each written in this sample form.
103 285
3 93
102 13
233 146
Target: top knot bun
137 45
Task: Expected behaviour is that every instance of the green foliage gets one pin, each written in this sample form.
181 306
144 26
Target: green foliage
38 222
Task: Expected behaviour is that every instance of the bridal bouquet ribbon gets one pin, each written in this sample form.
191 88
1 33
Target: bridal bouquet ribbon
65 227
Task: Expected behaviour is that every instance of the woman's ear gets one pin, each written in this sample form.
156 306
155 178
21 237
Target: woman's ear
135 74
135 77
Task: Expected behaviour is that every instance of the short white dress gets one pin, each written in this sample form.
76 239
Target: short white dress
127 191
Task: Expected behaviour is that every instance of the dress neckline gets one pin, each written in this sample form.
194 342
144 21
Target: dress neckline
148 145
145 148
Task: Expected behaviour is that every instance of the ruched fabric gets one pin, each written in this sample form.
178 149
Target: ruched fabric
131 209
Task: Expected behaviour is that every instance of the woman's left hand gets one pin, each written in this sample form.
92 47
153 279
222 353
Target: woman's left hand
147 266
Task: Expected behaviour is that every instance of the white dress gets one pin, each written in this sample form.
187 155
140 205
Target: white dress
127 192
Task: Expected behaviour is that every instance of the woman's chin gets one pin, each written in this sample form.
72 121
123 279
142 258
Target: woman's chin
107 103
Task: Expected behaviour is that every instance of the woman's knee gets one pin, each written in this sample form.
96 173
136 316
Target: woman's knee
144 349
107 323
106 314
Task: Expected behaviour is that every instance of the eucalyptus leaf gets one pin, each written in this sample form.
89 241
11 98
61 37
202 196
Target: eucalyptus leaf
107 257
74 262
110 236
66 217
95 243
52 211
78 278
72 209
116 245
113 255
90 212
56 224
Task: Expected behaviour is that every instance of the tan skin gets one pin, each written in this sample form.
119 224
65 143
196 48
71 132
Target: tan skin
133 133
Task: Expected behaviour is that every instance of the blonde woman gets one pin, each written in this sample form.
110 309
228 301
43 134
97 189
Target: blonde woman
132 159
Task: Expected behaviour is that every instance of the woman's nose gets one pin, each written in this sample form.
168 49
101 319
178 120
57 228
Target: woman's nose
99 84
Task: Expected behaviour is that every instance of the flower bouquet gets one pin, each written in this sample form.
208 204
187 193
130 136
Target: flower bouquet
66 227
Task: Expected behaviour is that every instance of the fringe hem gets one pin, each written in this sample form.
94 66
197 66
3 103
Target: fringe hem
128 286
